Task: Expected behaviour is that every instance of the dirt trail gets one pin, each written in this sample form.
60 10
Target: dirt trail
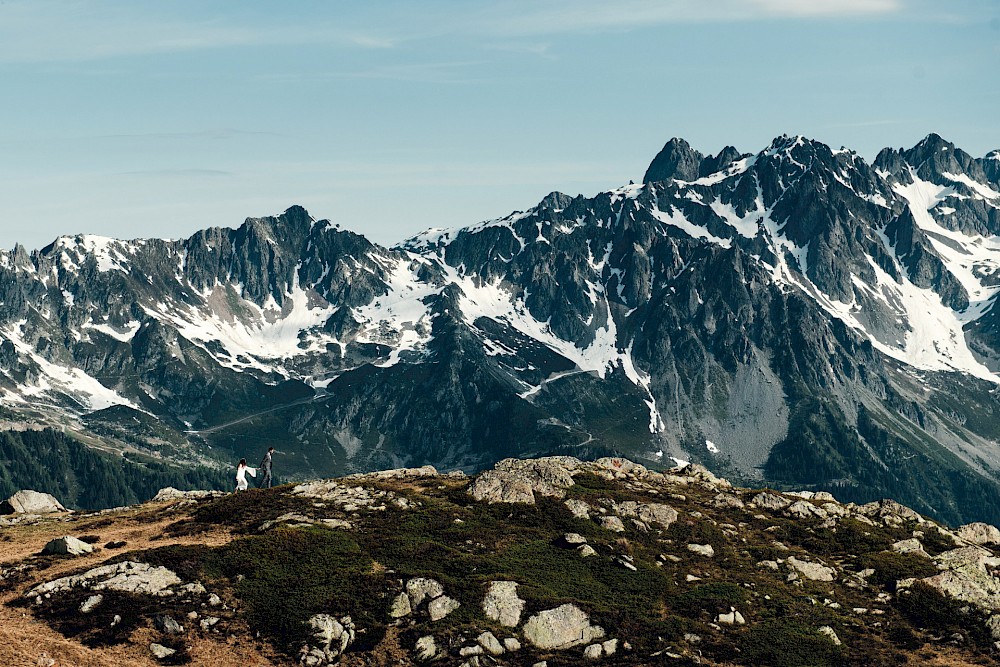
26 642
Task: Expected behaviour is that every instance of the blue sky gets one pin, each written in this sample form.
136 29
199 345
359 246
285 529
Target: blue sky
149 119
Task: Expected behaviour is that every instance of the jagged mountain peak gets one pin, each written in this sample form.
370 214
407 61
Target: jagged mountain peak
675 160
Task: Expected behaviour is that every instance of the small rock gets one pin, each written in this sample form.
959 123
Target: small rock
727 501
91 602
160 651
441 606
610 646
612 523
813 571
167 625
467 651
827 631
578 508
214 600
702 549
421 588
586 550
732 618
910 546
490 643
593 652
400 606
511 644
573 539
67 545
208 622
426 648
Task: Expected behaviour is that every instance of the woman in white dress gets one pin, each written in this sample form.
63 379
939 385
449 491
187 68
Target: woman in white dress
241 475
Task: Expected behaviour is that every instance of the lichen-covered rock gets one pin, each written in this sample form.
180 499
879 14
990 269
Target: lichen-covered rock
421 588
809 570
517 481
770 501
910 546
801 509
565 626
31 502
502 604
170 493
160 651
400 606
830 633
441 606
966 575
705 550
648 513
67 545
490 643
426 648
727 501
979 533
613 524
329 637
579 508
889 512
127 576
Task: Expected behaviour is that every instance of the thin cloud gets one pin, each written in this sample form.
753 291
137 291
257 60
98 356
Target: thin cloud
177 173
529 18
46 31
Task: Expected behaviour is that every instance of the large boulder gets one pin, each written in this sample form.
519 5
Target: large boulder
502 604
979 533
517 481
67 545
31 502
565 626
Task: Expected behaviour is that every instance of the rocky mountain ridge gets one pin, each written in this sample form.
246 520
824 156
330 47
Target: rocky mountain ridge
552 561
795 316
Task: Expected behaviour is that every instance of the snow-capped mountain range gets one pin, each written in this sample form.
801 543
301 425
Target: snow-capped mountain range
796 315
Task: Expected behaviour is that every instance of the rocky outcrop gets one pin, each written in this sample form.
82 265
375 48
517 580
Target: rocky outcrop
170 493
416 593
127 576
979 533
564 627
329 637
31 502
517 481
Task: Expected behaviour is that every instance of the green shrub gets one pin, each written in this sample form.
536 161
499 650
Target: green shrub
890 567
788 643
713 597
289 574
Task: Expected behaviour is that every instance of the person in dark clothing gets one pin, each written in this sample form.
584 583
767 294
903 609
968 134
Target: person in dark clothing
265 465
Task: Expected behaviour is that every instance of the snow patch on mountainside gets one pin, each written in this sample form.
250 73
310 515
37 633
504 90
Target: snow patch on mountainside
400 318
54 378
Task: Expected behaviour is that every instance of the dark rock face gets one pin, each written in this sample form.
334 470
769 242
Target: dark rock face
676 160
795 315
